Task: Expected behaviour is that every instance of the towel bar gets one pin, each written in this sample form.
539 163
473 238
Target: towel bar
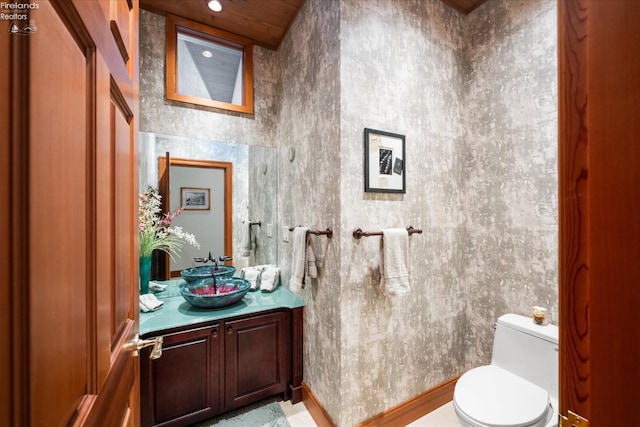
358 233
328 232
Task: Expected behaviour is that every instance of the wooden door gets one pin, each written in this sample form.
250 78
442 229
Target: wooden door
599 178
72 273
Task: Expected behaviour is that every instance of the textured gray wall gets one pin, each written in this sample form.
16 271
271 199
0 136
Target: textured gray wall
309 192
509 164
476 98
400 72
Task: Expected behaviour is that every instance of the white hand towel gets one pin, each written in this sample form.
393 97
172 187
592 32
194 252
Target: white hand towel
157 287
312 265
252 275
245 246
393 264
298 258
149 302
269 279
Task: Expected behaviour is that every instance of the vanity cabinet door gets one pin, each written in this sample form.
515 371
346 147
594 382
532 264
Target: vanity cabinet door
257 357
182 386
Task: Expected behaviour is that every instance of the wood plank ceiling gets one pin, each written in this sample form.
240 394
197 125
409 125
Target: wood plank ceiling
264 21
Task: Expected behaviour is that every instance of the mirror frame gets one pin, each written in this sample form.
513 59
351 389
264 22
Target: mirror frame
176 25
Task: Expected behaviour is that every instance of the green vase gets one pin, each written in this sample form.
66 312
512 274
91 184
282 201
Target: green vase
145 272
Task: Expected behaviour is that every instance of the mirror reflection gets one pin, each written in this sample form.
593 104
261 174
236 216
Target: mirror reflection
203 189
253 195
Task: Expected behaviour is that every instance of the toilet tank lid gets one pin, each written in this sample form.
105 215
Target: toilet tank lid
527 325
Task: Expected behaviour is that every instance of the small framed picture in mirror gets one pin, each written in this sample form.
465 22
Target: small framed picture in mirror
195 199
384 165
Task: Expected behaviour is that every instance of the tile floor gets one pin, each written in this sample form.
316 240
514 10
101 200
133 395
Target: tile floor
444 416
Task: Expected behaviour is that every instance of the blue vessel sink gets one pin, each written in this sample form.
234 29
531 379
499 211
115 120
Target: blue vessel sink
215 292
203 271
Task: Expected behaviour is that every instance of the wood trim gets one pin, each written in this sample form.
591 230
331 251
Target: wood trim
573 207
399 415
464 7
117 36
164 187
5 229
419 406
18 277
315 408
297 356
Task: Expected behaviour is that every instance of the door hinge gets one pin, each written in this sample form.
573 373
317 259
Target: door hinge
573 420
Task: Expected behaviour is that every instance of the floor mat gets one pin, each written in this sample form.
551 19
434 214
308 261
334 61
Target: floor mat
266 413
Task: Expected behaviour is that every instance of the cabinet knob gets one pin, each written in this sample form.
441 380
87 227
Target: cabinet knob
229 330
215 333
136 344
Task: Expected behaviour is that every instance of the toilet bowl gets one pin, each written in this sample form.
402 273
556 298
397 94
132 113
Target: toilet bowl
519 388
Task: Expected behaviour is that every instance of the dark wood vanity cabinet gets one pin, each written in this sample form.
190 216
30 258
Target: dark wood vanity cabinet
256 358
212 369
183 385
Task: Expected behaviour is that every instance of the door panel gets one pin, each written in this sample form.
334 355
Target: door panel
123 196
183 386
72 276
59 262
255 358
120 27
599 154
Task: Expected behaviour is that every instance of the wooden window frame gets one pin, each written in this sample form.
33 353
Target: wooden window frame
175 25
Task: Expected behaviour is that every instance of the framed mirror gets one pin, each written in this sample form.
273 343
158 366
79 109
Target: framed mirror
254 195
208 67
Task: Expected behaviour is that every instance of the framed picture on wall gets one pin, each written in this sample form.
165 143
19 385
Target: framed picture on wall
195 199
384 154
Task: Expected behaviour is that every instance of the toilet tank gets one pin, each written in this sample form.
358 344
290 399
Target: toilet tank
527 350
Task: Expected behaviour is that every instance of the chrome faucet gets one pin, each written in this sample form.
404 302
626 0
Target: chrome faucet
212 259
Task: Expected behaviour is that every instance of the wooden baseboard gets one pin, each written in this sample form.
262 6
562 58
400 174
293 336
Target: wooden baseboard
399 416
411 410
316 410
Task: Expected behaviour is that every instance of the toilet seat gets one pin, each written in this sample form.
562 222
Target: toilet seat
492 396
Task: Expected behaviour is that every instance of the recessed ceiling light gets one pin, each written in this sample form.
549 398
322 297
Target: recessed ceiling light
207 53
215 5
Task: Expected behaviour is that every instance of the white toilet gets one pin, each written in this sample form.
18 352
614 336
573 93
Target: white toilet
520 387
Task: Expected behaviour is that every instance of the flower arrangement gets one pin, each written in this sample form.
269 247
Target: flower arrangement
156 231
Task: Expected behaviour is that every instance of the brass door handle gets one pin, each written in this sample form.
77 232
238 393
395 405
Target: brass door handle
136 344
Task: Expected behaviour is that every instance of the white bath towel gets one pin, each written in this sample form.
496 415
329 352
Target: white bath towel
298 258
394 261
269 279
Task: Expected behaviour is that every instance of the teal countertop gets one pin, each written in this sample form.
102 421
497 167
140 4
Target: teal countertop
176 312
